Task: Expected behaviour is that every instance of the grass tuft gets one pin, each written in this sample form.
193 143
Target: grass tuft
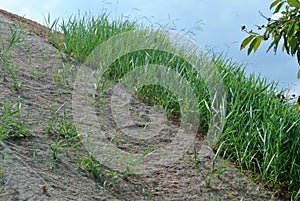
82 33
12 124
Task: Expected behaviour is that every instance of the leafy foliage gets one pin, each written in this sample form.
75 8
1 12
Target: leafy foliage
283 25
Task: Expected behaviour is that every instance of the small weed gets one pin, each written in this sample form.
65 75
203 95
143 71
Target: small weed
15 38
90 164
147 194
13 73
114 175
206 176
11 123
28 47
221 167
212 197
62 127
55 149
104 189
129 165
61 75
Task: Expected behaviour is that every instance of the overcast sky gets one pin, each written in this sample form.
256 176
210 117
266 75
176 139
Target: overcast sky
219 20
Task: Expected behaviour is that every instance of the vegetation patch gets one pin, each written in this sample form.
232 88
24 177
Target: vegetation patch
261 134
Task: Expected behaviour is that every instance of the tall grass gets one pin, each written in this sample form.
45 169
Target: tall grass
158 95
261 133
82 33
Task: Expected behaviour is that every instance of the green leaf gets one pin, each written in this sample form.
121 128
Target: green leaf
278 7
274 42
274 3
246 41
251 45
257 43
294 3
294 44
285 45
291 30
298 55
298 76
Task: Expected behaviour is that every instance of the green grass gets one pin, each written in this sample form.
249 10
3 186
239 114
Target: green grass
261 134
60 126
12 125
63 130
8 68
90 164
83 33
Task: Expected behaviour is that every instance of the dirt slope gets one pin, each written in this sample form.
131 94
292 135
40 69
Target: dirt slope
31 173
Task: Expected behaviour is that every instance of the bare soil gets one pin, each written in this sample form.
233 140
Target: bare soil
31 172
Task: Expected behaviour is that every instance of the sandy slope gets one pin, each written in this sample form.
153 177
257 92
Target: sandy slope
31 173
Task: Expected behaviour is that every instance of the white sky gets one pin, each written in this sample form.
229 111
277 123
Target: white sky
220 22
